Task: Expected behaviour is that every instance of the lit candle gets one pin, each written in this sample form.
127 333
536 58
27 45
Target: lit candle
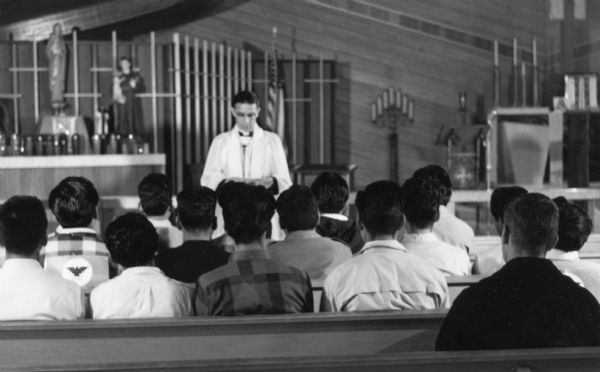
379 106
386 100
391 94
411 110
404 104
515 51
496 59
534 48
399 99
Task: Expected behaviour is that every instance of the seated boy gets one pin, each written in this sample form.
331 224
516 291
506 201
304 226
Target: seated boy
75 251
28 292
198 254
155 201
252 283
141 290
331 192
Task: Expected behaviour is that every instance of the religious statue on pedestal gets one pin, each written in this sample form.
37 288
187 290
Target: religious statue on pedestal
56 51
126 84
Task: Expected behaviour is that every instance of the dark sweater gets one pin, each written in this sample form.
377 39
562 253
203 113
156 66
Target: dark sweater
345 231
526 304
191 259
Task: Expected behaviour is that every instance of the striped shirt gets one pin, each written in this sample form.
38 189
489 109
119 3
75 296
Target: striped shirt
253 284
78 254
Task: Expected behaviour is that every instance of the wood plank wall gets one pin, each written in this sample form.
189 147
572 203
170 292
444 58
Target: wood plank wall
374 54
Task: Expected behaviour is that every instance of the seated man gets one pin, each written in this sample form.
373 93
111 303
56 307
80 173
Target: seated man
448 227
303 248
490 260
75 251
141 290
252 283
28 292
383 275
155 201
528 303
574 227
197 255
331 191
421 202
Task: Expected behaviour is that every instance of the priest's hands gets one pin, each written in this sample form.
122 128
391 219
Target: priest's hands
266 182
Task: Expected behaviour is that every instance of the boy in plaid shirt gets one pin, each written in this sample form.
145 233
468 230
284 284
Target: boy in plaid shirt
75 251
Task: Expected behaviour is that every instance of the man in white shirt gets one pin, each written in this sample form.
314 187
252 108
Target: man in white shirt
141 290
420 203
383 275
448 227
247 153
28 292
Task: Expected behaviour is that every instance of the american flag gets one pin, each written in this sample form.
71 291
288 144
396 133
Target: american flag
275 116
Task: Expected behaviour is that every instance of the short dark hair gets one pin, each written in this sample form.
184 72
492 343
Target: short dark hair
532 221
23 225
155 194
248 212
131 239
439 174
73 201
245 96
574 225
379 207
421 201
500 198
196 207
297 209
331 191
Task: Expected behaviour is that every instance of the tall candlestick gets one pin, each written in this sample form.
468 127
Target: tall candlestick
379 106
534 51
496 58
515 63
523 84
386 100
373 112
398 99
411 110
404 104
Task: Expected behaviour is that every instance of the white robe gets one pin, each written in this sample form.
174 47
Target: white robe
264 157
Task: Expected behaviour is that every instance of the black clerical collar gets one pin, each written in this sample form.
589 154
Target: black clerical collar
242 134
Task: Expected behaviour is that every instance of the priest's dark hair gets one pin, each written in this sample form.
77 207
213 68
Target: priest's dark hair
131 240
155 194
331 191
196 208
439 174
574 225
379 207
245 96
74 202
421 201
297 209
23 225
247 212
500 198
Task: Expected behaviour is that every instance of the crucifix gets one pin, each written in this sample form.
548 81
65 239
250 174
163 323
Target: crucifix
392 109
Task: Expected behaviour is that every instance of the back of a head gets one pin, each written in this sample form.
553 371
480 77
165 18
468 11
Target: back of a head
297 209
155 194
421 201
196 208
245 96
23 225
500 198
532 221
331 192
131 240
574 225
435 172
74 201
248 212
379 207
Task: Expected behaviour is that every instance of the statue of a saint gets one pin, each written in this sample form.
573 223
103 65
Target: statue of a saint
126 84
56 51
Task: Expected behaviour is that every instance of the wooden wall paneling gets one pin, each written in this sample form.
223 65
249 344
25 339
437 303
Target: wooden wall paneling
197 132
178 150
242 70
187 127
249 71
205 97
213 88
229 93
154 91
221 95
236 70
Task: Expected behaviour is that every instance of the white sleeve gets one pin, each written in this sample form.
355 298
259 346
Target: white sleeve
280 167
213 173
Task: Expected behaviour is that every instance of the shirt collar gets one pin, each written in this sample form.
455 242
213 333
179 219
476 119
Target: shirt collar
557 254
18 264
302 234
250 255
256 133
335 216
390 244
141 270
428 237
75 230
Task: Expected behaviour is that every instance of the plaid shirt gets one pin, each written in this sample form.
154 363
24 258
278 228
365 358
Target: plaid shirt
253 284
78 254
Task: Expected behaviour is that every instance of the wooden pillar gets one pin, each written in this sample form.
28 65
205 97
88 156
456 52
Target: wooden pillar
197 127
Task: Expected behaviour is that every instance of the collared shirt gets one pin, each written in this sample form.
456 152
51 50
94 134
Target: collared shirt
253 284
453 230
28 292
310 252
570 264
450 260
169 235
190 260
141 292
385 276
78 254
